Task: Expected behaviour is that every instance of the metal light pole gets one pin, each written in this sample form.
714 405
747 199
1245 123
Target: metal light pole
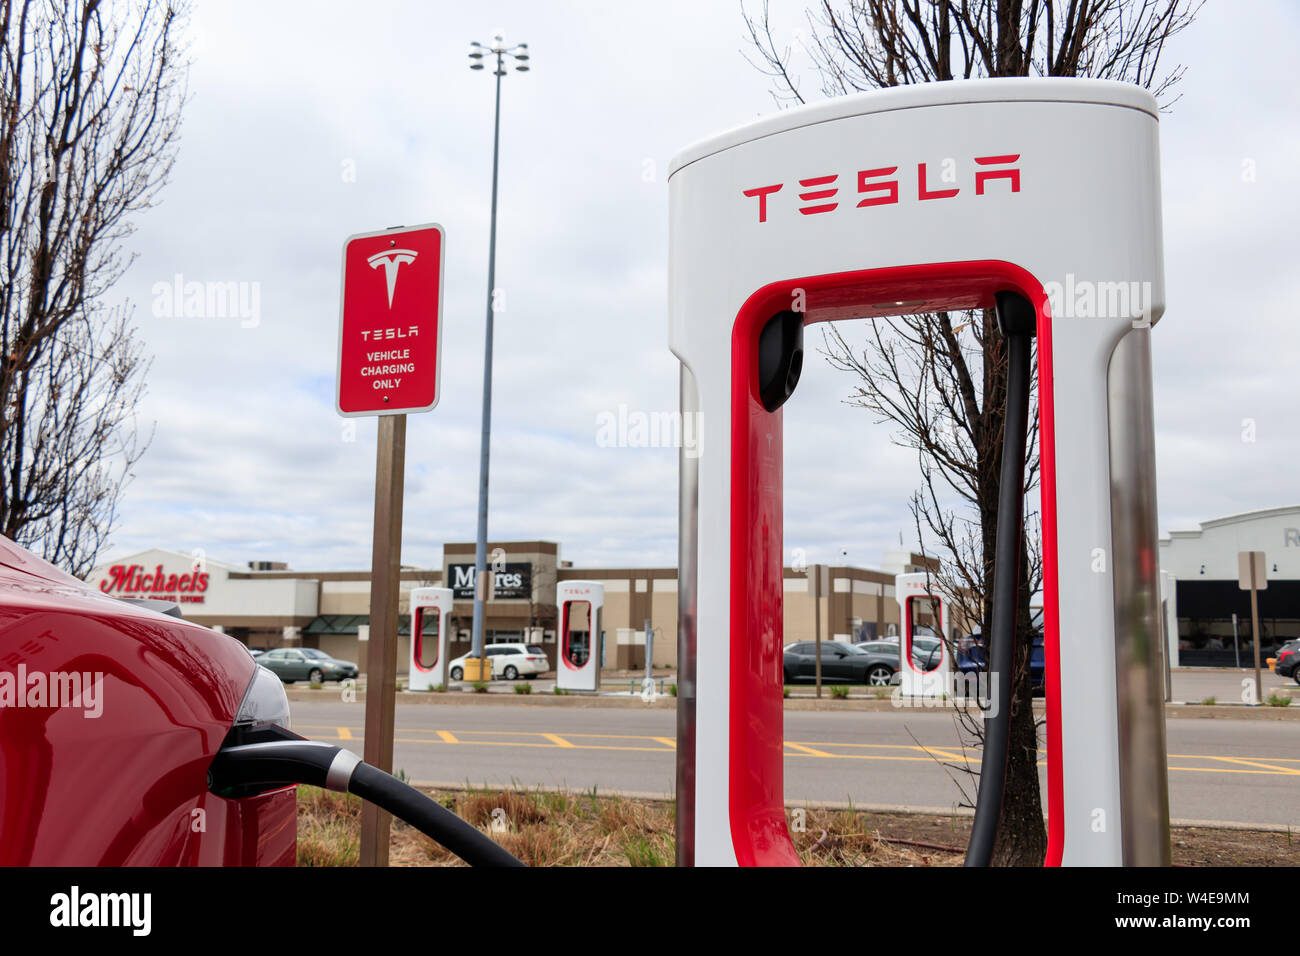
519 54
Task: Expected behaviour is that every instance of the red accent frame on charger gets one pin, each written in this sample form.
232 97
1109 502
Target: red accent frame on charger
756 793
417 635
907 630
564 641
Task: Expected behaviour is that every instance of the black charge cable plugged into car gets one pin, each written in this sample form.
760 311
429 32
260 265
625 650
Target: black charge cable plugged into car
242 769
1017 321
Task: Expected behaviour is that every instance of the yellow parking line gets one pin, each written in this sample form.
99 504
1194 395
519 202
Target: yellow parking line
900 757
1255 763
1295 760
837 743
448 737
808 751
612 737
1270 773
548 745
345 734
558 740
943 753
946 754
666 740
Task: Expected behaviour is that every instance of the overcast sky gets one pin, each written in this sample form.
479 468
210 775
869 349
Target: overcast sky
312 121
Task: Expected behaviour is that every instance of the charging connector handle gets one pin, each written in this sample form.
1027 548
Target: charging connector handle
283 762
1016 320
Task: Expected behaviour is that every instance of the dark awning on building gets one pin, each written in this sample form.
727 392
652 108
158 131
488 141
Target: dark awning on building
1219 600
348 624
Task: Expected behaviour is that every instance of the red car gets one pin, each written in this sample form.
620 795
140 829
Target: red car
110 715
131 737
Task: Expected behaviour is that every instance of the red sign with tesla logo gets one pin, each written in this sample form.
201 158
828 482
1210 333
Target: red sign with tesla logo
390 329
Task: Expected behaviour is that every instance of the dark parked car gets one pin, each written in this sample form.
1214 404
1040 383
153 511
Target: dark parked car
971 660
1288 660
306 663
874 662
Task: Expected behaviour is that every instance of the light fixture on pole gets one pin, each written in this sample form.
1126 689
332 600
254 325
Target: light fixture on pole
475 668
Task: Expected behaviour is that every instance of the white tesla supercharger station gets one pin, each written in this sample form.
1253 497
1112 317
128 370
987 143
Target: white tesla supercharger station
919 199
577 665
429 655
918 597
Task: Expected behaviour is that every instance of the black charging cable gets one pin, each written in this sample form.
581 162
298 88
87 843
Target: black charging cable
255 767
1017 322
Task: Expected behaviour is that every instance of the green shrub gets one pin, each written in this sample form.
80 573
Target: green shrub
839 692
480 687
524 688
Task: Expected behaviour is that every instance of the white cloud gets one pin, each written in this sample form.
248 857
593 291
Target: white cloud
249 462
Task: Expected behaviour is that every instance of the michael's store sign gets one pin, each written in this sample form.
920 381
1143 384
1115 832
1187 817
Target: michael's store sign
133 580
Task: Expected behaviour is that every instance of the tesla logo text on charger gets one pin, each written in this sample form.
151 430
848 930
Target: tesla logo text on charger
880 186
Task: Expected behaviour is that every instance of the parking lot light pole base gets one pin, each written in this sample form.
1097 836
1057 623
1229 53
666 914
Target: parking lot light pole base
478 668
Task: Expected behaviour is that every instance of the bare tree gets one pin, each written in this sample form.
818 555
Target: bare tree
542 610
89 120
941 379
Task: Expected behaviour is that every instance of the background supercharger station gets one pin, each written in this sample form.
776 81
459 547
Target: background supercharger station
576 667
913 681
426 602
909 200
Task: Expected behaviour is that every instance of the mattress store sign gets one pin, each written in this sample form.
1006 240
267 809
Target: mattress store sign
513 582
136 580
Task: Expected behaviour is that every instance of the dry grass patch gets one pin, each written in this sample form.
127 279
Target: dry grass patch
543 828
329 828
509 808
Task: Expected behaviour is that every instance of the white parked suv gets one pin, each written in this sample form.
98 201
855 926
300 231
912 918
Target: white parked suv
508 660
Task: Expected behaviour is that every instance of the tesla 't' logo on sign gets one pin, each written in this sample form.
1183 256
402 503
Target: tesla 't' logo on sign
391 259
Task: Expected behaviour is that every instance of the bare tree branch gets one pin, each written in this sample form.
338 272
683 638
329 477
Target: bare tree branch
89 125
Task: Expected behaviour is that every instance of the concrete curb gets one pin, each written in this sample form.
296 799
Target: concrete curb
853 704
470 699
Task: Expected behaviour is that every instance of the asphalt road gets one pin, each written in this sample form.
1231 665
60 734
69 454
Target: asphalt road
1220 769
1194 684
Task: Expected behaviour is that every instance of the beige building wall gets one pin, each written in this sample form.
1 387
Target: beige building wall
850 596
663 614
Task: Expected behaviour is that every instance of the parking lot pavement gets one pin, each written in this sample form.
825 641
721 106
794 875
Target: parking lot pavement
1219 770
1228 685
